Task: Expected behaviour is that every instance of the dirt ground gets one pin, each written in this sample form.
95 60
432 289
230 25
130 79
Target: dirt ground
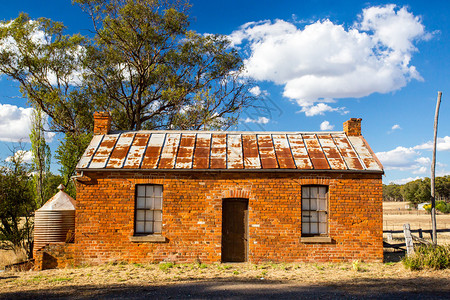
235 281
389 280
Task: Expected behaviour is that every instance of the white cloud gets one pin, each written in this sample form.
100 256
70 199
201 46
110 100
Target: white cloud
325 61
15 124
405 180
325 125
396 127
320 109
443 144
400 158
255 91
27 156
411 159
260 120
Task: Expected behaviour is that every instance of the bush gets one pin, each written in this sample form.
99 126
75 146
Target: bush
443 207
428 257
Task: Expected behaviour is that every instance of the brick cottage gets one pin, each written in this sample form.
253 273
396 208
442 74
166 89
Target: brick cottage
190 196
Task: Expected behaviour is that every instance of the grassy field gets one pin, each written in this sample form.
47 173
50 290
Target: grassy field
350 279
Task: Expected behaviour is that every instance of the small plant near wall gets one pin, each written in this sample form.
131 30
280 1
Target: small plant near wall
428 257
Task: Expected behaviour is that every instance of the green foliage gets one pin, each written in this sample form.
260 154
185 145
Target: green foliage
392 192
44 61
41 156
443 207
151 72
417 191
166 266
69 153
143 65
17 203
428 257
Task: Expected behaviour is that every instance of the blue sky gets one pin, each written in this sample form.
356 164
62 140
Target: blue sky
317 64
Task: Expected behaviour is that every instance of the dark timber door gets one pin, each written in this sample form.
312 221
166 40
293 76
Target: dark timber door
234 230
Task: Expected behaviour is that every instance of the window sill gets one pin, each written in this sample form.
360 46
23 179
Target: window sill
148 238
316 239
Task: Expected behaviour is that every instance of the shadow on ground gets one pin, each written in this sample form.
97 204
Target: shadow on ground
364 288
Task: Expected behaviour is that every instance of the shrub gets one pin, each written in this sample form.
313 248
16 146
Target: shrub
428 257
166 266
443 207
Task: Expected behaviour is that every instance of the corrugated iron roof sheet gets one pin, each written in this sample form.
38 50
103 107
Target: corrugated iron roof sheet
200 150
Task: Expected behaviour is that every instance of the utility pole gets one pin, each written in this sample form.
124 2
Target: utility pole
433 166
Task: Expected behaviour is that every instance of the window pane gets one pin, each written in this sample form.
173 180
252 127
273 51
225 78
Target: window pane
149 203
157 227
314 228
322 204
140 202
305 192
140 227
149 192
141 190
149 215
313 204
305 228
314 217
313 194
158 215
140 215
322 227
305 204
158 203
149 227
157 190
322 217
322 191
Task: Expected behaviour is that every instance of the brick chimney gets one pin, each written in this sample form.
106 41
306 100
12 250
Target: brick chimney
352 127
102 122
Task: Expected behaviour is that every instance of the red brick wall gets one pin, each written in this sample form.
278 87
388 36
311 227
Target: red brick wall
105 216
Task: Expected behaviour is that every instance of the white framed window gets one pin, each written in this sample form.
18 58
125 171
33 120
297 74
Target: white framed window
314 210
148 212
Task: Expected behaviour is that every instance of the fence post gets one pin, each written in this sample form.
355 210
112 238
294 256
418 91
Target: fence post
408 239
389 237
420 233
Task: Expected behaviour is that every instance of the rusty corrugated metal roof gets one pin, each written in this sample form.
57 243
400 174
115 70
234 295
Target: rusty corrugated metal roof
201 150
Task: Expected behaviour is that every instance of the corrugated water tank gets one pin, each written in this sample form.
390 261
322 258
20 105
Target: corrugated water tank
54 219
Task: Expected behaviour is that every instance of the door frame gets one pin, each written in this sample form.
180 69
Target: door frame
246 202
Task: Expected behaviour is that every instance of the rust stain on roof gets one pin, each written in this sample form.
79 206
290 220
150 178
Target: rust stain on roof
331 152
315 152
120 151
202 150
251 153
283 152
136 152
153 151
169 151
267 152
219 151
185 152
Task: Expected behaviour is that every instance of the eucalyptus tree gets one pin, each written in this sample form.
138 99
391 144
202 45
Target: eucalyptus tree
141 63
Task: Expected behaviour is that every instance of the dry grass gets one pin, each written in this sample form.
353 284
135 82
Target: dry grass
157 274
8 257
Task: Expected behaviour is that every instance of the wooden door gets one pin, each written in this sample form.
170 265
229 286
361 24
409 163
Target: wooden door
234 230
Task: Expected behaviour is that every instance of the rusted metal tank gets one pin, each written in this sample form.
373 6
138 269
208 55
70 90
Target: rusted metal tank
54 220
